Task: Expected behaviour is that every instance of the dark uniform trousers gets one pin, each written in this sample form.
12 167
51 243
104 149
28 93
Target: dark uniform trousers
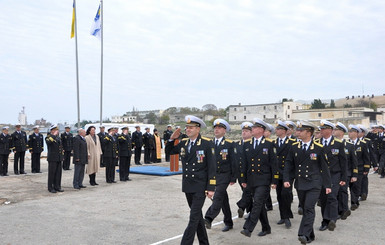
355 189
110 168
220 201
4 164
35 164
308 200
147 154
258 212
246 202
285 197
54 175
196 221
343 197
329 202
67 160
124 167
19 157
78 174
138 152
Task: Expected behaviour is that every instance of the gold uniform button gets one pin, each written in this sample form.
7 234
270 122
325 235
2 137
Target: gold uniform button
252 165
306 175
193 170
299 175
283 165
299 170
259 159
252 170
259 170
259 165
186 175
299 165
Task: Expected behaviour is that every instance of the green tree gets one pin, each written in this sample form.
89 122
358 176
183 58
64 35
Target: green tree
164 119
347 105
151 118
332 104
317 104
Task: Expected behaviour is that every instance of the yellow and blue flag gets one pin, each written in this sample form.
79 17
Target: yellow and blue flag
73 21
96 25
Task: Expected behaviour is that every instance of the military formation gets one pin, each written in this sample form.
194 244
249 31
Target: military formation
318 161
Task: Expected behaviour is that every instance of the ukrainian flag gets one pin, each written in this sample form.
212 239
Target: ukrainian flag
73 21
96 25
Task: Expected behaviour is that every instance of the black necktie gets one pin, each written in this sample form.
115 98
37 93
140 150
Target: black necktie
280 142
304 147
191 145
256 144
216 142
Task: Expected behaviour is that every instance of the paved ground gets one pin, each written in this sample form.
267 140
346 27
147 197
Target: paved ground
149 210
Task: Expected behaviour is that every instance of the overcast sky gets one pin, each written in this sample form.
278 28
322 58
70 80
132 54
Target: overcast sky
159 54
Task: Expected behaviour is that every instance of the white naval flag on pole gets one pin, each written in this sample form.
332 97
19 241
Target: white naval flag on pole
96 25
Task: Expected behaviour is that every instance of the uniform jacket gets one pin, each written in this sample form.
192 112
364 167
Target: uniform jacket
67 141
19 141
55 148
5 144
101 137
336 157
259 165
363 158
310 168
282 152
372 155
137 139
148 140
226 162
80 150
124 145
36 143
110 144
166 135
198 165
352 159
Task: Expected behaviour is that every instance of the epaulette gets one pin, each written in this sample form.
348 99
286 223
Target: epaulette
316 143
205 138
363 141
317 140
296 143
106 138
268 139
184 139
227 140
338 140
247 140
292 139
367 139
349 142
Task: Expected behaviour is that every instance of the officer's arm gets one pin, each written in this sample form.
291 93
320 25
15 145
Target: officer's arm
354 159
243 165
289 166
326 179
273 165
234 162
211 171
365 157
343 163
76 145
30 143
373 158
172 149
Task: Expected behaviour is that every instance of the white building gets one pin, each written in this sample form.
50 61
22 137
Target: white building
268 112
22 117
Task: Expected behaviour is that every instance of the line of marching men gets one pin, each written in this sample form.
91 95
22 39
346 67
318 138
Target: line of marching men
320 169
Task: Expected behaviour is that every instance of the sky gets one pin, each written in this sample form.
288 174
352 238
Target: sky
164 53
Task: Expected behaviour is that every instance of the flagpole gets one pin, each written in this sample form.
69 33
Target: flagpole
101 63
77 64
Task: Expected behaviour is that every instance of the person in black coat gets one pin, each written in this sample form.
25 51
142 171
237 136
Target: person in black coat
19 145
226 175
80 158
198 180
67 141
124 154
166 136
36 147
5 149
110 154
149 144
101 135
307 162
137 143
54 158
259 170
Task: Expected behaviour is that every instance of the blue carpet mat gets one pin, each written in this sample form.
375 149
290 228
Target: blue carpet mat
154 170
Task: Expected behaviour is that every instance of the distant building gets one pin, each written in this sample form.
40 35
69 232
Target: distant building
22 117
41 122
121 119
267 112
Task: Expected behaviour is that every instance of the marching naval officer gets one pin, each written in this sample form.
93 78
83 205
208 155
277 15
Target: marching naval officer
198 163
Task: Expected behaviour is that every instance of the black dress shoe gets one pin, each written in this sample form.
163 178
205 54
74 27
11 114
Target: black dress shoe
128 179
52 191
96 183
304 240
300 211
208 224
77 188
82 186
287 223
353 207
264 233
280 222
92 184
227 228
346 214
16 173
240 212
22 172
246 233
123 180
323 228
364 197
331 225
113 181
59 190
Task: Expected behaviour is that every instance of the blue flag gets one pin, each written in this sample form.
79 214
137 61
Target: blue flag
96 25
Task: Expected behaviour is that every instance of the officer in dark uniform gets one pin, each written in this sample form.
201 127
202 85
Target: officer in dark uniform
5 149
124 154
67 141
54 158
19 145
284 195
363 163
307 161
198 163
381 149
116 135
226 174
269 130
110 154
80 158
259 171
137 143
343 198
147 143
373 161
338 167
101 136
292 128
246 202
36 147
166 136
